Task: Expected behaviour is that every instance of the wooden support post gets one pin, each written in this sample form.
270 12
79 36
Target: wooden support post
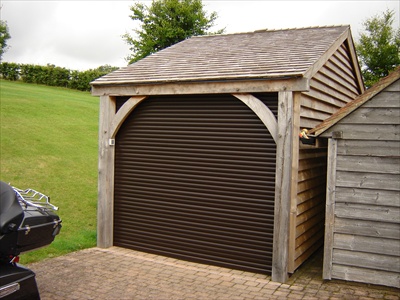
282 187
105 209
294 188
330 209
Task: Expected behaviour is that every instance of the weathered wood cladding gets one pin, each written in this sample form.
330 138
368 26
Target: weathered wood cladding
334 85
376 120
309 210
364 244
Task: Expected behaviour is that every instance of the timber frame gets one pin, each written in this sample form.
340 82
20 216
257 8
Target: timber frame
282 131
311 86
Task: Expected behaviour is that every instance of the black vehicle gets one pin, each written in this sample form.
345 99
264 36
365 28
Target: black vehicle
27 221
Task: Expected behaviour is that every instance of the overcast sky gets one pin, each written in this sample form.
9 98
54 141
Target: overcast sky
87 34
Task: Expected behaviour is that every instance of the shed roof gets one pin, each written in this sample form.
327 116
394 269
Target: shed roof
357 102
264 54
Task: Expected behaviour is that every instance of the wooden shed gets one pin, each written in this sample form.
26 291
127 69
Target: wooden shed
362 238
199 154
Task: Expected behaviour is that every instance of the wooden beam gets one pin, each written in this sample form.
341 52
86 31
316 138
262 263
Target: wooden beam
294 185
209 87
262 111
105 208
283 183
330 209
123 113
355 63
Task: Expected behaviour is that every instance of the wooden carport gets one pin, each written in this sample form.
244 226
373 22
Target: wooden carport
313 72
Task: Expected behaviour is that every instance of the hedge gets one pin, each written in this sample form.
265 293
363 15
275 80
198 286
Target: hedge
53 75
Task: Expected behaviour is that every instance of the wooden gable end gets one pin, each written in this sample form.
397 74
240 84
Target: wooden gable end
333 84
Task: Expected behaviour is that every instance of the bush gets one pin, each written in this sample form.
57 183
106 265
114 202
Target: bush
52 75
9 71
31 73
57 76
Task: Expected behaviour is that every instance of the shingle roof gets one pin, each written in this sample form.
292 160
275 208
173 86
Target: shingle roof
260 54
357 102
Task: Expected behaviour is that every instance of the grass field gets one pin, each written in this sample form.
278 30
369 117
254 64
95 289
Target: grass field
48 142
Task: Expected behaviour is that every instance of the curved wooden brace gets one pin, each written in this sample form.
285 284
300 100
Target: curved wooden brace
262 111
123 113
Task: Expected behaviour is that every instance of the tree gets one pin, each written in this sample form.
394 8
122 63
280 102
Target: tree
167 22
4 36
379 48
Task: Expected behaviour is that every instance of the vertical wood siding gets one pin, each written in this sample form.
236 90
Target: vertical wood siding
365 243
332 87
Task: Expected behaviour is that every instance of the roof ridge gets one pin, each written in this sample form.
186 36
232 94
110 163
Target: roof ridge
272 30
301 28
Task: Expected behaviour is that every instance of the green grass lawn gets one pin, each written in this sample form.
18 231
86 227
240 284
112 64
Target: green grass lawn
48 142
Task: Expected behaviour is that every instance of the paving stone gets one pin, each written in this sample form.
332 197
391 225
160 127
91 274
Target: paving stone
295 296
392 297
296 288
251 283
239 281
376 295
253 289
281 293
227 284
270 288
214 276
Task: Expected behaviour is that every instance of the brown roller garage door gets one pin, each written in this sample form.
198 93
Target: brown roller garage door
195 180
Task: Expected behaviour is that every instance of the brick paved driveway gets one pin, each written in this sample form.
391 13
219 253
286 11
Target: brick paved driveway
117 273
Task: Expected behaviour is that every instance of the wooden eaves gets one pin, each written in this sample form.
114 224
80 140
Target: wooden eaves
211 86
